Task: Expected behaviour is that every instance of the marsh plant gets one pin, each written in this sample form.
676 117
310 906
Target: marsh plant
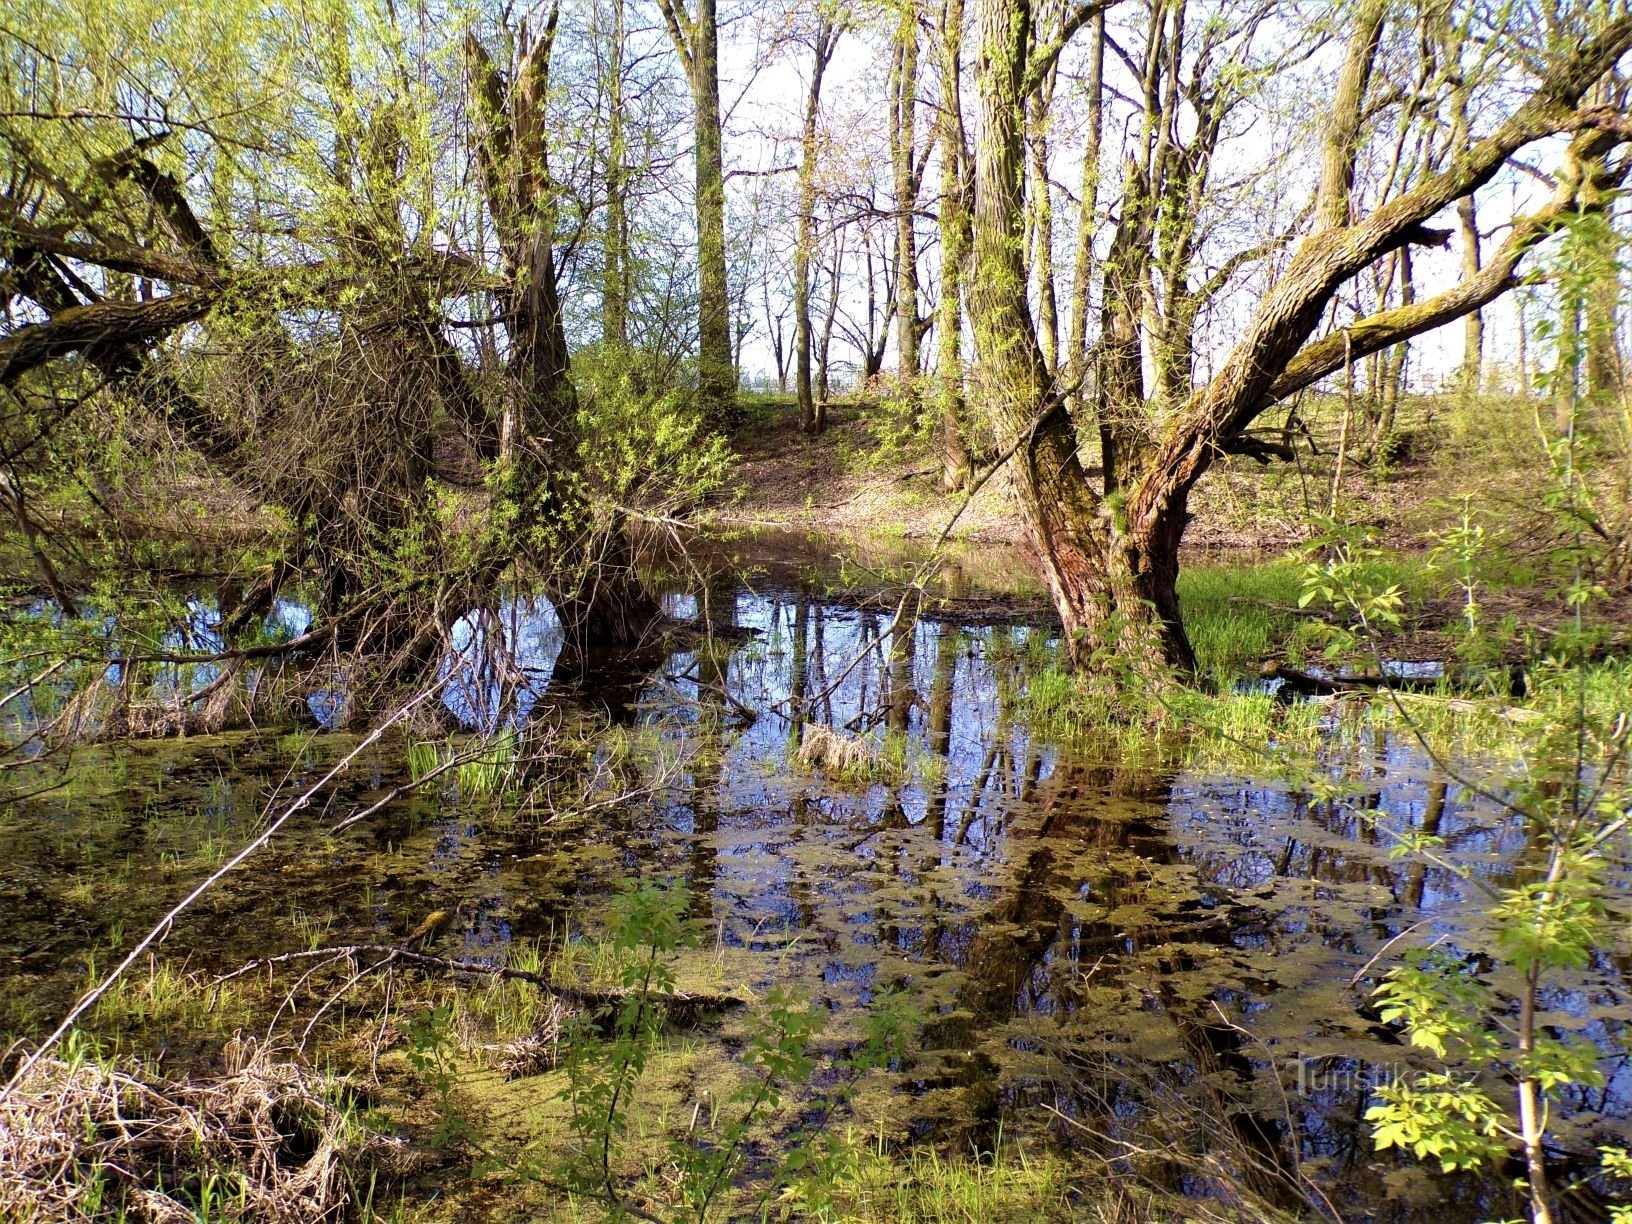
606 1052
1509 1060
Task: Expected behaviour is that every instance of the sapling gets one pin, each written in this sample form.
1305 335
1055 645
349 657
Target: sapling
1572 799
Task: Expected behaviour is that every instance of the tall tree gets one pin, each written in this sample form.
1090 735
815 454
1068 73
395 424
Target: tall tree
903 106
823 41
598 594
615 277
957 461
1087 211
695 36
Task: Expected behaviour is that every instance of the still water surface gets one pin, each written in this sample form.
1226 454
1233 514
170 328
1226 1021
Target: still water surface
1116 952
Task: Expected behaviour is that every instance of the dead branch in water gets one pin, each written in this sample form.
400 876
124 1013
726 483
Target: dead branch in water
163 926
680 1007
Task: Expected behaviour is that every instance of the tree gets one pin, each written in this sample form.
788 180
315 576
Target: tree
823 41
957 461
598 595
903 112
1111 556
695 37
324 274
615 275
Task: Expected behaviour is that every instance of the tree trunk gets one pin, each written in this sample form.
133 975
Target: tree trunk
903 150
591 576
1121 381
716 376
1042 228
615 235
1087 213
828 317
1605 364
957 464
1394 370
1467 225
696 41
822 51
1113 589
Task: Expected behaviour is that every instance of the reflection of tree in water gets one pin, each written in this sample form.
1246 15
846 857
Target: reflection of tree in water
712 667
1117 904
1033 964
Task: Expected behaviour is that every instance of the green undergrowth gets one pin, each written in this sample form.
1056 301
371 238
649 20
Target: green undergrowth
1251 729
1240 613
922 1185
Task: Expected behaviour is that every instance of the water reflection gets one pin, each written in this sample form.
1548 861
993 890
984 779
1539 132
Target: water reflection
1123 947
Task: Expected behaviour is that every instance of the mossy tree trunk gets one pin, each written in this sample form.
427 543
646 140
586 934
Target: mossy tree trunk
1111 557
695 36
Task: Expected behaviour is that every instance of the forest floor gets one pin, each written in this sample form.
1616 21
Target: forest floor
855 477
849 479
862 483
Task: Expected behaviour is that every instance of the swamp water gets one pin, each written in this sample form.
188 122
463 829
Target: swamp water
1123 956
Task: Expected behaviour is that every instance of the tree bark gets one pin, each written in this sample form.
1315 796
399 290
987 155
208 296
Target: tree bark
826 38
97 326
615 234
1087 215
903 152
1042 226
1112 589
1467 224
957 463
696 41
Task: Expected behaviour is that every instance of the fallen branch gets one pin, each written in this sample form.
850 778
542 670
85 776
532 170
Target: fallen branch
681 1006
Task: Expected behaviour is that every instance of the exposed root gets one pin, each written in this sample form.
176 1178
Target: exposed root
266 1139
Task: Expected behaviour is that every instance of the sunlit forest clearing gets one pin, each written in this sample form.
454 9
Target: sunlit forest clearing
932 610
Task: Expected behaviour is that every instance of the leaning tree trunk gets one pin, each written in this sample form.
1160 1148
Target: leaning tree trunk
591 574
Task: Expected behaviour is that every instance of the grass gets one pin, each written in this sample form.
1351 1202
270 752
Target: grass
923 1186
854 760
1239 613
1235 612
84 1136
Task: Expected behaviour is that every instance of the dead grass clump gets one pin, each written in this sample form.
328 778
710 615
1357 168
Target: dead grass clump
536 1051
264 1140
839 754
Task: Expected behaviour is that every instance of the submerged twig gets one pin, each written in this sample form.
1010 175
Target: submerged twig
162 927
